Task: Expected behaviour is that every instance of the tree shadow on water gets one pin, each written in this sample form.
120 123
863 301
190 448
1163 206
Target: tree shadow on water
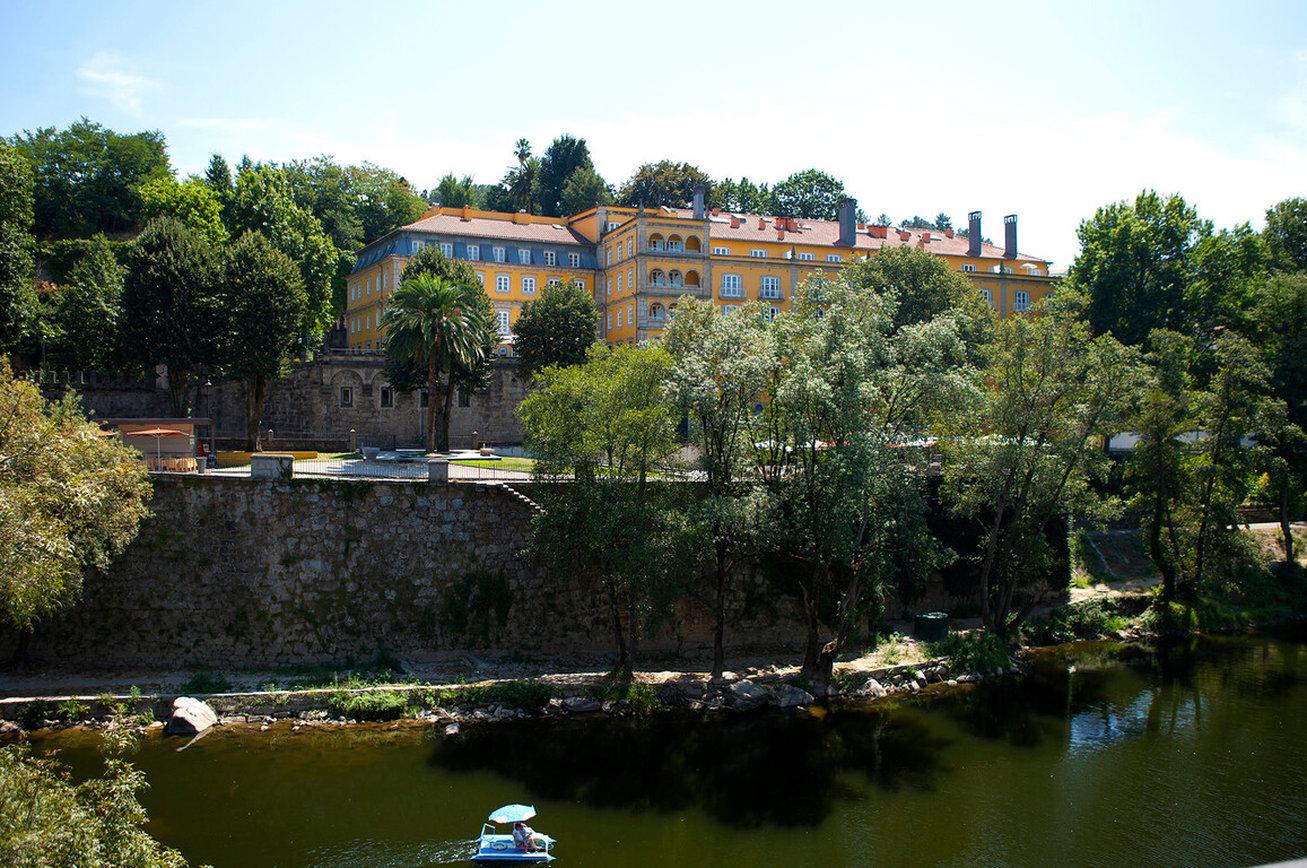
763 769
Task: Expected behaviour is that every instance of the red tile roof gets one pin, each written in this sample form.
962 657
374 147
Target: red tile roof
485 227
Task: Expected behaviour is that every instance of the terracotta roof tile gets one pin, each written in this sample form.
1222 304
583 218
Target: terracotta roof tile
507 230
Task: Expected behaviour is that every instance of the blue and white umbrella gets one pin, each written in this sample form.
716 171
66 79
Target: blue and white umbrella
513 814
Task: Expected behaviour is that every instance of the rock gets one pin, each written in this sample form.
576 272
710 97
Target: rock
502 713
263 727
952 682
190 716
581 704
746 694
452 729
8 727
933 675
730 676
788 696
872 689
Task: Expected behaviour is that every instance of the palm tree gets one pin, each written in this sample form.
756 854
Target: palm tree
434 321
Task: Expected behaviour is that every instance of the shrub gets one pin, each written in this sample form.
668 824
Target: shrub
521 695
640 699
205 682
1092 619
369 705
972 652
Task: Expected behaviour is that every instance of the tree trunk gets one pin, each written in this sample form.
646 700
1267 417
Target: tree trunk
987 567
256 390
812 647
442 432
433 384
619 634
177 393
1286 526
719 620
1155 551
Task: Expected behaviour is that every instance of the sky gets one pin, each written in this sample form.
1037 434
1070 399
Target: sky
1046 110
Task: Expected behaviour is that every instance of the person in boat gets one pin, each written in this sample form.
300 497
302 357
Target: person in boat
524 837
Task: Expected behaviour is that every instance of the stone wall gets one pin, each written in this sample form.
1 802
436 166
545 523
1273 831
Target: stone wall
248 573
304 408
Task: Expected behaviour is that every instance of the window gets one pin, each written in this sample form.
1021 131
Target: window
528 285
619 318
481 277
608 254
989 297
611 226
731 286
834 257
771 313
758 254
501 320
630 279
610 320
551 258
630 247
578 283
574 260
730 308
608 288
554 282
806 257
771 288
619 284
524 257
464 399
721 251
501 283
387 397
369 286
1021 301
347 396
967 266
447 248
630 314
497 253
473 251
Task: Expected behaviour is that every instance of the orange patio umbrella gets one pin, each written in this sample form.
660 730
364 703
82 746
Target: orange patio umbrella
157 434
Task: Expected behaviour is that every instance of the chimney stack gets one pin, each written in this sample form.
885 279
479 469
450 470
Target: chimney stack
1010 236
973 234
601 220
848 217
698 201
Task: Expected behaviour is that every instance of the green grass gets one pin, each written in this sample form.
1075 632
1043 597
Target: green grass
521 695
642 699
525 465
205 682
1098 618
372 705
972 652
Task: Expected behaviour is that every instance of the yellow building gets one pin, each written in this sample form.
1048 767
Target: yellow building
637 262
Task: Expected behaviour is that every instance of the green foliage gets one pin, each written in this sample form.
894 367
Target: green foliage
218 176
663 183
477 606
743 196
584 189
371 705
17 294
555 329
89 178
69 500
452 192
1096 618
810 193
639 699
205 682
83 316
170 310
520 695
1286 234
972 652
1033 451
46 819
562 160
193 202
354 204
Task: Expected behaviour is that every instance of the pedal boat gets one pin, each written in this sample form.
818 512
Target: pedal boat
495 846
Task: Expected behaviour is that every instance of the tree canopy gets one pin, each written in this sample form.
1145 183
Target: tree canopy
17 294
564 157
193 202
810 193
663 183
1286 234
555 329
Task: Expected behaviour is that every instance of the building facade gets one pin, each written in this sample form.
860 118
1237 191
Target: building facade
636 262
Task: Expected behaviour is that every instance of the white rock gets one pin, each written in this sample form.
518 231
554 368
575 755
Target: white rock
872 689
190 716
581 704
452 729
788 696
747 694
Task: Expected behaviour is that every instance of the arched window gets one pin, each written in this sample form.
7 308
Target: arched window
674 242
657 278
692 243
691 278
674 278
657 313
656 242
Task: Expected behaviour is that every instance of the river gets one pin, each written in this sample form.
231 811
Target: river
1097 754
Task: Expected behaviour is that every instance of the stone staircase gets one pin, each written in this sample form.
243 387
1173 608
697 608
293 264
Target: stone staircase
522 497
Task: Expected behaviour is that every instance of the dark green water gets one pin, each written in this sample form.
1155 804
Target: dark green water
1193 756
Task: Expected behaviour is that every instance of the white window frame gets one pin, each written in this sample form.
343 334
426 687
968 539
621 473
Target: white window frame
732 286
502 322
447 248
729 308
758 253
834 257
498 254
551 258
1020 301
574 260
989 296
620 279
721 251
503 282
770 288
608 253
528 284
523 256
806 257
472 251
554 281
969 267
630 247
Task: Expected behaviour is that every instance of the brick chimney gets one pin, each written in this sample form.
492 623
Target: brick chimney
973 234
698 201
1010 236
875 230
847 214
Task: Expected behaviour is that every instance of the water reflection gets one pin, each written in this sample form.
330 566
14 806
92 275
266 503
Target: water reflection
762 769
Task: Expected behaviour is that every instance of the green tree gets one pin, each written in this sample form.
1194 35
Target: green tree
1032 451
383 200
847 397
743 196
609 425
88 177
429 320
17 293
1286 234
1135 265
46 819
943 221
169 312
452 192
584 189
720 369
565 156
262 300
264 202
663 183
1280 329
84 315
555 329
810 193
193 202
69 501
1226 269
218 177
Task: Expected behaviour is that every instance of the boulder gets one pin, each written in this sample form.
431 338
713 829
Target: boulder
788 696
746 694
190 716
871 689
581 704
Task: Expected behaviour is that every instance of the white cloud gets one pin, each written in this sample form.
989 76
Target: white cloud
104 76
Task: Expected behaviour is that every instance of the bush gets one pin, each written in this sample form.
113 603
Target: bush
641 699
205 682
369 705
1098 618
972 652
521 695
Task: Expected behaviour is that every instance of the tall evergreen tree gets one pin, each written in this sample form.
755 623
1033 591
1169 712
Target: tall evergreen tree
564 156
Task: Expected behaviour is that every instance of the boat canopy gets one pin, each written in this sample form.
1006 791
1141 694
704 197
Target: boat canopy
513 814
